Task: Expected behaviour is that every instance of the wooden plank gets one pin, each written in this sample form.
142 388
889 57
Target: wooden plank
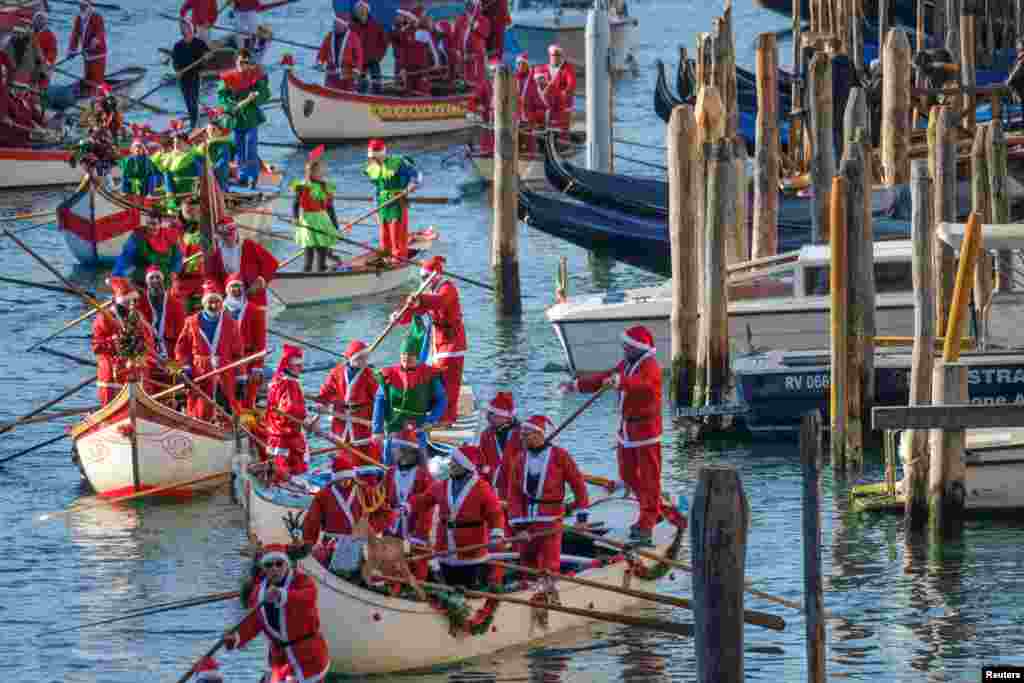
823 155
682 145
896 108
954 416
946 471
840 330
968 70
997 172
814 602
505 242
944 176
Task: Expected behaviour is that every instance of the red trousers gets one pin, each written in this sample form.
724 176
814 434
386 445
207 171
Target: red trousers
496 41
640 469
451 377
540 553
394 235
95 74
289 453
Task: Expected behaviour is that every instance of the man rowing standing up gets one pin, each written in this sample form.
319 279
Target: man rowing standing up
252 328
90 32
469 515
501 442
409 476
288 615
46 43
536 494
349 391
121 340
285 437
163 311
208 341
204 16
332 518
470 41
242 92
638 379
374 40
187 52
152 244
139 175
407 392
341 53
448 335
560 91
188 286
392 176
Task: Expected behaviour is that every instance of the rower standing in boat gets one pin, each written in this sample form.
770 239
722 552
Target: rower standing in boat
537 479
208 341
316 223
341 53
188 286
182 166
242 93
482 105
403 27
139 175
469 514
289 617
409 476
122 341
46 42
163 311
252 328
374 40
349 391
392 175
286 440
471 34
329 526
448 335
204 16
534 107
218 148
186 52
501 442
560 91
407 392
90 33
638 379
152 243
497 15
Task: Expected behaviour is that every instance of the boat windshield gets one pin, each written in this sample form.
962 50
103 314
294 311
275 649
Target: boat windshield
890 277
768 285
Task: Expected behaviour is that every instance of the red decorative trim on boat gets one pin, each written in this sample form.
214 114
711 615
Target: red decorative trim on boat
25 154
320 90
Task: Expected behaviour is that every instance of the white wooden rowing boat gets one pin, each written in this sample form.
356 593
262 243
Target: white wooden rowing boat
135 443
530 168
36 167
360 277
323 115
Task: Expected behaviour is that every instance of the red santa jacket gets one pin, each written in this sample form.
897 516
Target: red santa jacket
335 510
639 399
292 630
497 13
561 89
544 503
172 320
252 329
46 41
401 486
463 521
92 37
284 395
247 5
469 44
483 100
534 106
255 261
372 37
496 461
204 12
349 48
445 311
354 400
203 355
112 371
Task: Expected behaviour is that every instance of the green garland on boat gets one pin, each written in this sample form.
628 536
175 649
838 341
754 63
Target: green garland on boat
661 568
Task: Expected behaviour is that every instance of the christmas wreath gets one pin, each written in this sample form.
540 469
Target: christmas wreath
131 343
461 618
660 569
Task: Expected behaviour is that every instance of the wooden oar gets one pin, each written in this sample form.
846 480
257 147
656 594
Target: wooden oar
516 538
241 361
647 623
273 39
32 449
99 5
70 412
152 609
29 216
38 285
330 437
67 356
394 320
152 108
213 650
763 619
135 496
572 418
73 390
67 326
657 557
178 74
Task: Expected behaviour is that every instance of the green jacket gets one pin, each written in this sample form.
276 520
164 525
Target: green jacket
249 116
390 177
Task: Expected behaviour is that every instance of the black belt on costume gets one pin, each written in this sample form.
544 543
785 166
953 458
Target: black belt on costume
464 525
304 638
639 418
541 501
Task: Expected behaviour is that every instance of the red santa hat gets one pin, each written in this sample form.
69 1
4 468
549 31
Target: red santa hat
232 279
376 149
639 337
407 437
124 290
207 670
355 348
211 289
444 26
318 152
288 353
555 49
539 423
466 455
502 404
275 551
226 225
433 265
153 272
343 466
523 58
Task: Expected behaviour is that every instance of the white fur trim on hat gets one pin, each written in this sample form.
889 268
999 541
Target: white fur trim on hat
459 457
210 295
497 411
376 154
626 339
275 555
233 280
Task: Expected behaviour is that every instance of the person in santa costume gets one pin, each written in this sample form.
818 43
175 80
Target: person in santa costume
535 110
122 341
163 311
252 327
471 33
331 519
153 243
207 670
500 442
204 16
248 258
349 391
482 104
559 92
208 341
413 58
497 14
638 379
316 223
341 53
536 493
286 439
188 285
46 42
407 392
242 93
288 615
374 40
90 33
407 477
448 335
469 514
392 175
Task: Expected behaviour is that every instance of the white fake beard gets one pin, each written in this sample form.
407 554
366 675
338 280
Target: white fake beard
234 304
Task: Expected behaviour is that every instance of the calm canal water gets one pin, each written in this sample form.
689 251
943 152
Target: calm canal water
901 613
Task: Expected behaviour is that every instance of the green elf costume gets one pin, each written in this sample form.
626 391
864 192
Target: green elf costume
316 228
241 93
218 147
392 175
139 175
